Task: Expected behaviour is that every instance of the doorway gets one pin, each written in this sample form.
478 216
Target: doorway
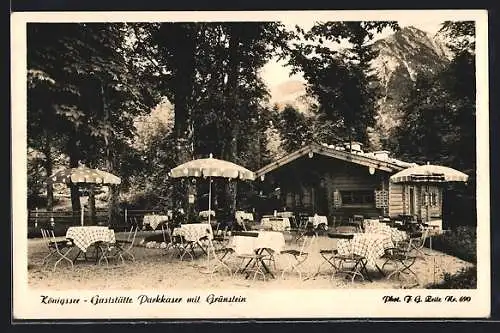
411 197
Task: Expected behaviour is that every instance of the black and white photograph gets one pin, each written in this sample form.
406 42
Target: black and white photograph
250 164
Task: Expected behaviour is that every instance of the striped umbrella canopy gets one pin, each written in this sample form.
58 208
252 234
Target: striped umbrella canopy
211 167
83 175
429 174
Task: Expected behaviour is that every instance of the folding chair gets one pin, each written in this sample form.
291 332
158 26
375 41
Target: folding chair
214 252
220 237
357 222
297 257
400 258
125 246
417 241
179 244
251 263
356 265
304 229
350 264
56 248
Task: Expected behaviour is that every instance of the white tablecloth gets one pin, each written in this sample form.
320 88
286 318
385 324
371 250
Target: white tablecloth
371 246
205 213
193 232
276 223
265 239
154 220
318 219
284 214
85 236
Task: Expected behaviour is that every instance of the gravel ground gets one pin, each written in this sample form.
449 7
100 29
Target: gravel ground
154 267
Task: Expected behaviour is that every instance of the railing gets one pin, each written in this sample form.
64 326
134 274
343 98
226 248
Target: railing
60 221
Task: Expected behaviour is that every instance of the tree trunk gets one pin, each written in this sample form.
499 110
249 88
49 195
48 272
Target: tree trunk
48 165
184 62
91 205
232 110
73 163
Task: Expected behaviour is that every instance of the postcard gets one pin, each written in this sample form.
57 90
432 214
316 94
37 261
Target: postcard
250 165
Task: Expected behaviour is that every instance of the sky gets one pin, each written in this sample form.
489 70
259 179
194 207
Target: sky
275 73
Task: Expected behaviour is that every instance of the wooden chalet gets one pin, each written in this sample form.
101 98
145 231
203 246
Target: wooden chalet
342 181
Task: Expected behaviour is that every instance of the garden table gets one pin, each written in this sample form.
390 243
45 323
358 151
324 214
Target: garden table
317 220
276 223
370 246
195 233
257 243
85 236
375 227
155 220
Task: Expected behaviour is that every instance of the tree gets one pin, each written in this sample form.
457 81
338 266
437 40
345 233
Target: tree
294 128
341 80
438 123
92 91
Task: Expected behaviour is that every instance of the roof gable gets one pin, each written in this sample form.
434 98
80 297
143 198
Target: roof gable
389 165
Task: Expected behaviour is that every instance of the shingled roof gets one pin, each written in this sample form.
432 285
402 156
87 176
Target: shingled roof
371 159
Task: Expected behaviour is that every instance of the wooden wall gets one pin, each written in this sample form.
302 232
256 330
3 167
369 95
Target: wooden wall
399 200
321 174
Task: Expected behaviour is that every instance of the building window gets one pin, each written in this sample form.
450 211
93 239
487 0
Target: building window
306 199
297 200
357 198
434 198
289 200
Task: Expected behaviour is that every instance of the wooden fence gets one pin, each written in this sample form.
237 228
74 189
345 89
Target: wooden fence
60 221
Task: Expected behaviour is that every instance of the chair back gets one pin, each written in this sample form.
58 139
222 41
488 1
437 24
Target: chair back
307 241
45 236
49 238
293 222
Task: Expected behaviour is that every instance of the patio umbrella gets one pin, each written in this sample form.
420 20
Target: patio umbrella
429 174
83 175
211 167
208 168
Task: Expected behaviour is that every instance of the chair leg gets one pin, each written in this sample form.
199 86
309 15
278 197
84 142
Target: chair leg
63 257
45 259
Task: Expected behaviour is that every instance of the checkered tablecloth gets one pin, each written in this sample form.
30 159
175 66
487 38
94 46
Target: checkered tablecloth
266 239
370 246
318 219
155 220
375 227
193 232
243 216
85 236
276 223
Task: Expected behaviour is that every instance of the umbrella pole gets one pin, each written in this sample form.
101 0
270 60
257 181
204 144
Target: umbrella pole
82 213
209 213
209 198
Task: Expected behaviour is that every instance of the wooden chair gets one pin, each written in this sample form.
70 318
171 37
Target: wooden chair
57 248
